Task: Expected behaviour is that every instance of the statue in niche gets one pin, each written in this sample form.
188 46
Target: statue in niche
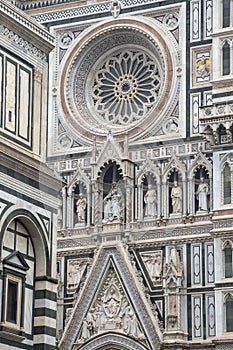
176 196
81 208
150 200
202 192
113 205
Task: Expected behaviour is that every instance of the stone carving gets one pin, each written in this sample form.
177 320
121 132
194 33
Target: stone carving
111 311
75 272
171 127
81 204
150 200
176 196
172 21
153 263
202 192
203 67
60 285
68 315
113 205
26 45
65 141
66 39
172 281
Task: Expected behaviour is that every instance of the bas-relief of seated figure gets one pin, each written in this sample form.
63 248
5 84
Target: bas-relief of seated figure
113 206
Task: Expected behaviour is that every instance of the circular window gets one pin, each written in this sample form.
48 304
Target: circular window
116 77
125 87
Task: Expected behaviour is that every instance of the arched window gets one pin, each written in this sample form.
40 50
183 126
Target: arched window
229 313
226 184
226 13
228 260
226 58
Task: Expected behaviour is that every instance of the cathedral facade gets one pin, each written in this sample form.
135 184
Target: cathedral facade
124 111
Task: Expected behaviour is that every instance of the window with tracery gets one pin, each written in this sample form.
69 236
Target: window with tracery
229 313
125 87
228 259
226 8
226 184
226 67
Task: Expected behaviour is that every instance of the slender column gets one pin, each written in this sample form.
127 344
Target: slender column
211 193
159 200
140 202
89 207
165 199
127 203
184 197
69 209
64 208
191 196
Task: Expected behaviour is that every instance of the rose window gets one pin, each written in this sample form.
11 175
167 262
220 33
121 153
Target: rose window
125 87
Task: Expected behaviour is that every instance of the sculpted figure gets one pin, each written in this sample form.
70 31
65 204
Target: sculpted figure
112 206
176 195
202 193
81 208
150 200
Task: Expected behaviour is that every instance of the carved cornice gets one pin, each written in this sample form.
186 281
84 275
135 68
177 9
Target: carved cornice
23 28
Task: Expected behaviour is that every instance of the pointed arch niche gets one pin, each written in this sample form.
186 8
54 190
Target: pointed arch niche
174 194
112 193
200 184
78 190
149 195
200 191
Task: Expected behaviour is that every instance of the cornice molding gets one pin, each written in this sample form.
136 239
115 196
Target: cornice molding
21 24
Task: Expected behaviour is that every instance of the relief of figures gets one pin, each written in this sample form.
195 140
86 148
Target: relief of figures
75 272
111 311
153 263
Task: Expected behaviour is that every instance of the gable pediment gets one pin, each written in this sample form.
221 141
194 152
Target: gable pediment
16 260
112 300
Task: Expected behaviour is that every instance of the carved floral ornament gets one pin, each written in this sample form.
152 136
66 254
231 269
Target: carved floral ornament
117 76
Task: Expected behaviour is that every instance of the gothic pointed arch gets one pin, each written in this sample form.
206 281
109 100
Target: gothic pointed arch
200 161
113 341
174 164
79 177
111 152
109 290
148 167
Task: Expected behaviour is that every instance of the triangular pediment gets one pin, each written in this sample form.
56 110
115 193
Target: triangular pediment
111 151
112 300
16 260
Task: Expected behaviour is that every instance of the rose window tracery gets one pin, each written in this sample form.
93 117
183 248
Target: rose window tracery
125 87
